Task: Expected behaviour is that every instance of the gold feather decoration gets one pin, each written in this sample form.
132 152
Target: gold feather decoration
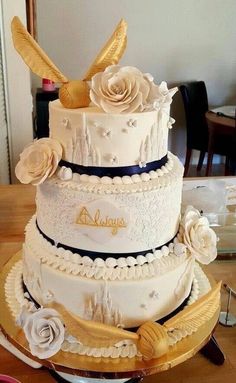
152 339
72 94
195 315
34 57
111 52
91 333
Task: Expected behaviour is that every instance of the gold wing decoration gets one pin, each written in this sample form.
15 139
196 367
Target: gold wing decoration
152 339
33 55
91 333
194 316
72 94
111 52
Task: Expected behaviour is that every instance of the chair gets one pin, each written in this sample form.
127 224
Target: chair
195 101
222 140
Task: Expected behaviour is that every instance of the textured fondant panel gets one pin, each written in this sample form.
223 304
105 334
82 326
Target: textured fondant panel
91 137
113 221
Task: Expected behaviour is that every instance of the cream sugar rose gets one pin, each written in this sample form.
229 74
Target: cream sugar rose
107 225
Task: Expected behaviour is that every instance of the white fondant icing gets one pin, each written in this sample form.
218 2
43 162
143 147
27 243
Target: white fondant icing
120 215
83 143
153 208
128 286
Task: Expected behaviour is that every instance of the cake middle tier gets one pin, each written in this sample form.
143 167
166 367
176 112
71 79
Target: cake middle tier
110 220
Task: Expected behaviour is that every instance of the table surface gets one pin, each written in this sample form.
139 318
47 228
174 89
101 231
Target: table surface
16 207
221 120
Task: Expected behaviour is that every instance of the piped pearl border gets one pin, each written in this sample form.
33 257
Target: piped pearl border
124 184
65 174
143 266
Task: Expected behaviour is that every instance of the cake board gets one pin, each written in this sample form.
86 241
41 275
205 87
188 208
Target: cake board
79 368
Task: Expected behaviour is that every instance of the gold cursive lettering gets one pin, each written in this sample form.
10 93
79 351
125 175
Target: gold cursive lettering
86 219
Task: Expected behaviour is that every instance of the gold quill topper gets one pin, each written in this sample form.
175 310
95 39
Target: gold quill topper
152 339
75 93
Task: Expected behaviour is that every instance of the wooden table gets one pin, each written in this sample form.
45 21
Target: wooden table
220 128
16 207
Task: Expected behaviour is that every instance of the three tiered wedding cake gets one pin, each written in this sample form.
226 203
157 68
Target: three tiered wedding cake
107 251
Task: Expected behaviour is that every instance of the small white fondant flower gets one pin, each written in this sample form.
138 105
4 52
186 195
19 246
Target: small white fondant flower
45 332
154 294
199 238
96 124
106 133
142 164
66 123
143 306
132 123
39 161
112 158
48 297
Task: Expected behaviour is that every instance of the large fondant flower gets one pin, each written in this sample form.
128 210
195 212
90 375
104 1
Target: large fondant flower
44 331
38 161
120 89
199 238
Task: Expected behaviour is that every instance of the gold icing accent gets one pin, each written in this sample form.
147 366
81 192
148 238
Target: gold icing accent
33 55
73 94
86 219
111 52
91 333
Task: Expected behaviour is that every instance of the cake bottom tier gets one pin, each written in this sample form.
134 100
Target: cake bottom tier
21 305
124 296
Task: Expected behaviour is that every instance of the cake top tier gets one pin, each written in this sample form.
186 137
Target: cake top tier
124 133
113 122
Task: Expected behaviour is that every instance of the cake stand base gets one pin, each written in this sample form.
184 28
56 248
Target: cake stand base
85 369
64 378
213 352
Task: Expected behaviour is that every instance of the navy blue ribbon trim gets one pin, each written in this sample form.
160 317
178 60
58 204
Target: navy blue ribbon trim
95 254
116 171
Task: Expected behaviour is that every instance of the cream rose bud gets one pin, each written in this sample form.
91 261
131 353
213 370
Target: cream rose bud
120 89
199 238
45 332
38 161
